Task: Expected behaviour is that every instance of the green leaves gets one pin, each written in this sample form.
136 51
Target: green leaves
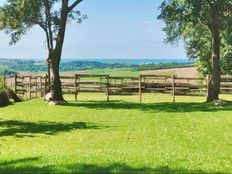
193 21
17 17
1 84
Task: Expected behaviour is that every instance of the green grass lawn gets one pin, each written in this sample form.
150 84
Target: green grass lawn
123 136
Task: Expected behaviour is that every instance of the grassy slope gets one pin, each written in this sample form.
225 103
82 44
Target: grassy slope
120 136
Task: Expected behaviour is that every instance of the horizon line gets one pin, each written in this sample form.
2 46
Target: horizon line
65 58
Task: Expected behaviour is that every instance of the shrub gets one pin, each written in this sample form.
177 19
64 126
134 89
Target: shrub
4 100
1 85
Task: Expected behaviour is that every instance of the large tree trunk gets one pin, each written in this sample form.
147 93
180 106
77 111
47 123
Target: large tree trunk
215 79
56 88
49 71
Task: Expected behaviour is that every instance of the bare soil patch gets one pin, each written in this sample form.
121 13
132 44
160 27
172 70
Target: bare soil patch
182 72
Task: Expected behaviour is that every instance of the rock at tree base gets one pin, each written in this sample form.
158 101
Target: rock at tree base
48 97
219 102
54 103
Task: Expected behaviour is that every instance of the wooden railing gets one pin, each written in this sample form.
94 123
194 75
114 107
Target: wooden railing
85 83
30 86
37 86
173 85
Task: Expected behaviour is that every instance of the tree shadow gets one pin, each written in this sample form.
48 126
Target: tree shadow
32 165
154 107
22 129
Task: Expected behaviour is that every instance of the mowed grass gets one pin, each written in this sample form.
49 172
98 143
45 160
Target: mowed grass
122 136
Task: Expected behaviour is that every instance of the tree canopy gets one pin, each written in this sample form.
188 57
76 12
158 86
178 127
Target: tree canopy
205 27
193 28
19 16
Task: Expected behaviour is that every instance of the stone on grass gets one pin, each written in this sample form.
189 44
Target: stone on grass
54 103
219 102
48 97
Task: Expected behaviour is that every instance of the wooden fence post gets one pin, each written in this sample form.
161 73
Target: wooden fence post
23 88
30 87
76 86
45 84
140 88
37 87
101 83
15 83
41 86
108 87
173 89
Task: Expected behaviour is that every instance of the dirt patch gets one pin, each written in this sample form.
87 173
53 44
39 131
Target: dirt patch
181 72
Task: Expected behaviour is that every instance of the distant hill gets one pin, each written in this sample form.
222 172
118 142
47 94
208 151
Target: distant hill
11 66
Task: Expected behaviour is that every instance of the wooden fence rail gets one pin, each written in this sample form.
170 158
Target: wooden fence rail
37 86
30 85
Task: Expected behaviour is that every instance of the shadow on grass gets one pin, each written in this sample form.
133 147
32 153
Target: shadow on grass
32 165
30 129
154 107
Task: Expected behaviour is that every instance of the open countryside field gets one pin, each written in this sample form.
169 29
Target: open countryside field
116 87
129 72
121 72
112 72
121 136
181 72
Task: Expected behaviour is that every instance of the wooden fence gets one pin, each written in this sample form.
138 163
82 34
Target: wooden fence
36 86
173 85
30 86
85 83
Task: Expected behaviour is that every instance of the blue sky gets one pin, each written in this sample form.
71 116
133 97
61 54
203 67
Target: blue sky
114 29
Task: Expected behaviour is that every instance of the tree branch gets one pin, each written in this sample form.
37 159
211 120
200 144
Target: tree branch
49 24
42 25
74 5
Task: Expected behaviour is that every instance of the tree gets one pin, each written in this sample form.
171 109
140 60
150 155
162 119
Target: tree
187 19
19 16
198 45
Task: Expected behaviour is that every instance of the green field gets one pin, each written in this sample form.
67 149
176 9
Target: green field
112 72
116 72
121 72
120 136
124 72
